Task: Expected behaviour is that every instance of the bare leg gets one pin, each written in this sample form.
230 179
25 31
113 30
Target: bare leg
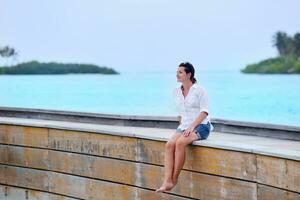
181 144
169 163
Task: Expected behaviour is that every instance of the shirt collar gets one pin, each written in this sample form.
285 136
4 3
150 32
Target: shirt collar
194 86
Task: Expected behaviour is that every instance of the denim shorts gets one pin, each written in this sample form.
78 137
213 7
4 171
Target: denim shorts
202 130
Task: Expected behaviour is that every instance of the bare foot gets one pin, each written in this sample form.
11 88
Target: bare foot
165 187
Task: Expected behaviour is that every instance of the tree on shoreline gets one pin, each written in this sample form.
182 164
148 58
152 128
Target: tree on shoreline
288 61
7 52
34 67
287 46
297 44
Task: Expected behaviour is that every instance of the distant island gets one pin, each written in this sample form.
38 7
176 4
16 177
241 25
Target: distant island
288 61
35 67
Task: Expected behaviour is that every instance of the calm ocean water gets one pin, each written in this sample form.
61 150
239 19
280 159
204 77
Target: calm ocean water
257 98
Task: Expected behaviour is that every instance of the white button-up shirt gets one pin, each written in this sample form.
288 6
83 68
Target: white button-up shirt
190 107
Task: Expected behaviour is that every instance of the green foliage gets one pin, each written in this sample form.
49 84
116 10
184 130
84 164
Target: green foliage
7 52
289 57
297 44
279 65
287 45
35 67
296 67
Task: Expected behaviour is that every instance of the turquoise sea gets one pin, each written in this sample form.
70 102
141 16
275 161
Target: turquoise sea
258 98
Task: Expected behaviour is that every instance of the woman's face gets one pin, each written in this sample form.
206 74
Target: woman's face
182 75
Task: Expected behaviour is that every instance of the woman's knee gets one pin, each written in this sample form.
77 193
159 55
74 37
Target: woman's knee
180 143
170 144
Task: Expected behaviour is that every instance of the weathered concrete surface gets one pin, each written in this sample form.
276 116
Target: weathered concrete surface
14 193
24 177
280 173
251 144
120 171
25 156
201 186
79 187
221 125
208 160
26 136
191 184
270 193
96 144
87 161
126 172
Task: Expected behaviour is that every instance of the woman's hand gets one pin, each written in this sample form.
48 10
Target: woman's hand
188 131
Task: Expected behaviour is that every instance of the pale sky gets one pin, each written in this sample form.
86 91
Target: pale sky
156 34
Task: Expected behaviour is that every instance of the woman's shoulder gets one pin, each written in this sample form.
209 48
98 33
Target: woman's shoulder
199 88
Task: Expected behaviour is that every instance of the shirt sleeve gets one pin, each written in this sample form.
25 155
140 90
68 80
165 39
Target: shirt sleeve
203 101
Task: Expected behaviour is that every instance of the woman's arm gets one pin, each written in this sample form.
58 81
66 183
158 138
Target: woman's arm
179 119
197 121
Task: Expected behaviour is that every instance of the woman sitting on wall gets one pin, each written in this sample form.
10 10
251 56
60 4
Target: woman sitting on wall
193 107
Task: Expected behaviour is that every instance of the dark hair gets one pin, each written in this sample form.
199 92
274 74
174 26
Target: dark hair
189 68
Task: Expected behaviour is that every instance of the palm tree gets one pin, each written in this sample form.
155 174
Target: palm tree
283 43
8 52
297 45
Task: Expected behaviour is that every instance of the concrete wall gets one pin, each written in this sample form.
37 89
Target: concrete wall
221 125
48 163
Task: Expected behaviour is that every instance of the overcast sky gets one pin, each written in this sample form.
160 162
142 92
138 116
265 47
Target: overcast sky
156 34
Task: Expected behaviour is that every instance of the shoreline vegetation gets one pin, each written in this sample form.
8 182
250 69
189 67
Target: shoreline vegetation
288 61
35 67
